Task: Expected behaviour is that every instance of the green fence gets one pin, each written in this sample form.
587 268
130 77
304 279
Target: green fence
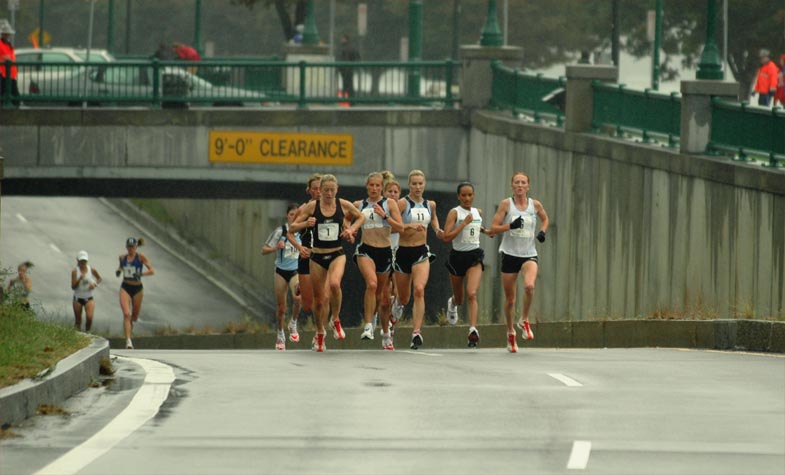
237 82
526 93
745 130
648 113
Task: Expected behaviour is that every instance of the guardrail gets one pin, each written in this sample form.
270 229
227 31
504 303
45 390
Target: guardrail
524 93
647 112
746 130
238 82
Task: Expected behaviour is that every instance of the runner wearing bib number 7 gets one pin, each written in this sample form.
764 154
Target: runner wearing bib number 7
465 263
326 216
517 218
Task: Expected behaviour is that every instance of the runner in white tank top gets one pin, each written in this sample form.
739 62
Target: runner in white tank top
516 218
84 279
465 263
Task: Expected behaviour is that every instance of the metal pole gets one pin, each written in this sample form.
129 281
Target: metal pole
41 24
615 27
332 28
724 35
709 66
415 45
127 26
310 33
456 27
506 22
198 26
110 28
655 58
490 35
89 46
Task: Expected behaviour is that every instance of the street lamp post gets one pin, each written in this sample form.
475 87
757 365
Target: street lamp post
110 28
655 59
198 26
491 35
415 45
710 66
310 33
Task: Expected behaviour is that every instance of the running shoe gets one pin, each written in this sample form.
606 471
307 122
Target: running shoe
317 344
474 337
387 343
512 345
280 344
452 312
129 344
294 337
367 332
528 329
416 340
338 332
397 310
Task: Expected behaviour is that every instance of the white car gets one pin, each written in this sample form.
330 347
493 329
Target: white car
42 63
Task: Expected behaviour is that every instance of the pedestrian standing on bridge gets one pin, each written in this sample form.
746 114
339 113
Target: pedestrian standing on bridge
8 78
465 263
373 255
766 80
328 261
285 277
305 286
132 268
347 53
516 219
413 258
84 279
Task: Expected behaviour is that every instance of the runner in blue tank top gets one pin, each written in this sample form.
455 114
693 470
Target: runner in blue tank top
131 268
326 217
516 218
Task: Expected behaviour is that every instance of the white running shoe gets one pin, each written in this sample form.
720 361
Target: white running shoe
294 336
129 344
452 312
512 345
397 310
338 332
387 343
280 343
474 337
367 332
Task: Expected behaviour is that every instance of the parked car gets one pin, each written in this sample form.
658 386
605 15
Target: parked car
49 64
131 82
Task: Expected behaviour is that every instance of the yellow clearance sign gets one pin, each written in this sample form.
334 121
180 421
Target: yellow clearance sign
281 148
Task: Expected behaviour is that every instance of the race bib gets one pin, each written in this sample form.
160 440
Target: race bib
421 216
290 252
372 220
327 231
471 233
129 272
525 231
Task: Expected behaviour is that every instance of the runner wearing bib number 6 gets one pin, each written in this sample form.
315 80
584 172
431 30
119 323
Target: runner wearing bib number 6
465 263
326 216
516 219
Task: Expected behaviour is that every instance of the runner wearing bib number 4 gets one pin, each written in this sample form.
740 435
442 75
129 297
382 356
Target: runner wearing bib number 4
326 216
517 218
465 263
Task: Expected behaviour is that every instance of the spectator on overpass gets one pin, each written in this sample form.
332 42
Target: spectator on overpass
766 82
84 279
347 53
285 277
132 270
516 218
326 216
186 53
7 53
779 96
413 258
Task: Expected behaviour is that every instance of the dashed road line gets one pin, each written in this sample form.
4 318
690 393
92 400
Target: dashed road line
21 218
579 456
423 353
55 248
568 381
144 405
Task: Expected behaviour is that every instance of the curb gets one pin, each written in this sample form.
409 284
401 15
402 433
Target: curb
70 376
740 335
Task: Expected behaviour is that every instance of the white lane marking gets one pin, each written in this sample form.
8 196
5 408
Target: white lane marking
21 218
145 404
55 248
565 379
579 457
423 353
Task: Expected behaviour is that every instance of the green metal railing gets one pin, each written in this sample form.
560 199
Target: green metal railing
523 93
238 82
649 113
745 130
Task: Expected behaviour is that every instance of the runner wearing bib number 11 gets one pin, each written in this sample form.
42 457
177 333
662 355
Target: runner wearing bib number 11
286 256
326 216
516 218
465 263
